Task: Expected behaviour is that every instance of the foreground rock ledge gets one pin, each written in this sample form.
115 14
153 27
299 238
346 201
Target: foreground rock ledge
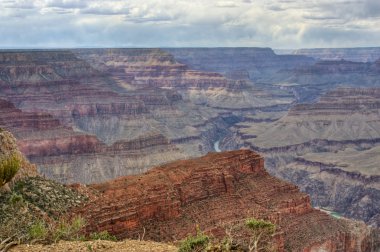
213 191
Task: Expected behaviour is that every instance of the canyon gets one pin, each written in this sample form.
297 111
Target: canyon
328 148
168 202
91 115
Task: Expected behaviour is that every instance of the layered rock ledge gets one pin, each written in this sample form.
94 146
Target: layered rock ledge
215 191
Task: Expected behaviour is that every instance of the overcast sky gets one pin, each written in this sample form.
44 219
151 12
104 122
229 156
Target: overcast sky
189 23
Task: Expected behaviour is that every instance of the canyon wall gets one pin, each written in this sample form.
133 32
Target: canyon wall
352 54
88 115
215 192
69 156
328 148
109 112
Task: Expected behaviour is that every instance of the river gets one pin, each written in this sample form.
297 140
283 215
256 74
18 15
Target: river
216 146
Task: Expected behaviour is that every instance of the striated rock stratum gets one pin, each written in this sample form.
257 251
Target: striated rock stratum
215 192
329 148
90 115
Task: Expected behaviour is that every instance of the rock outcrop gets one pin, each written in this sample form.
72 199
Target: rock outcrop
215 191
329 148
30 199
8 147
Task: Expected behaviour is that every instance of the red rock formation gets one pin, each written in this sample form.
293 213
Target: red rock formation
153 68
96 102
17 121
213 191
53 147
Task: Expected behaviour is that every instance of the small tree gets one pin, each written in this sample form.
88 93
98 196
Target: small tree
262 235
8 168
196 243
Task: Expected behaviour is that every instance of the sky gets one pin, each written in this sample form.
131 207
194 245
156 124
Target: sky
282 24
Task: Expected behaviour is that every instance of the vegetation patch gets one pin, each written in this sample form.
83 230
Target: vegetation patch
8 168
253 235
199 242
34 208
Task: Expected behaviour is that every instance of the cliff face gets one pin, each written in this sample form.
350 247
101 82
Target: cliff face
342 101
225 60
351 54
115 112
89 115
58 150
82 107
341 114
215 191
329 148
153 68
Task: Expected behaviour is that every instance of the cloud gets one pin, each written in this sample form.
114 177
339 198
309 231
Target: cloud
66 4
157 23
20 4
226 4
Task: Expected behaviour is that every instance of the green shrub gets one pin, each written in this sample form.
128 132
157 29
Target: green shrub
199 242
68 230
260 225
261 235
38 231
104 235
8 168
16 199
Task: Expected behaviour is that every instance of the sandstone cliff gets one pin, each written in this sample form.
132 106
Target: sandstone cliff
216 191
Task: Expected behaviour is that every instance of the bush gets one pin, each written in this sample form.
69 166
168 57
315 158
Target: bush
199 242
68 230
260 225
38 231
104 235
16 199
262 235
8 168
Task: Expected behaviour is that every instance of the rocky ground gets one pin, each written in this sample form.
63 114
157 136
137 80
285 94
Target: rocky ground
99 246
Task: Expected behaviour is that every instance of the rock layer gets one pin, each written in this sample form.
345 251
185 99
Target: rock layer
352 54
329 148
215 191
66 113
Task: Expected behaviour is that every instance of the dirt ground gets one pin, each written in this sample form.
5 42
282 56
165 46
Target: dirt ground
97 246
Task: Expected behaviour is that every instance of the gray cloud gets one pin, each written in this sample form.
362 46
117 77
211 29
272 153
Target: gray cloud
158 23
67 4
12 4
